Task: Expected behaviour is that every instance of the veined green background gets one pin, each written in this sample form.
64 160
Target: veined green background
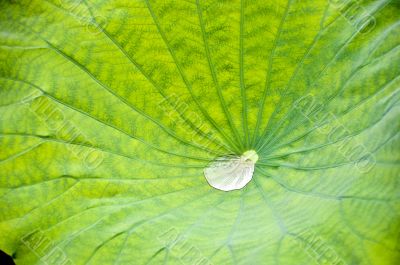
110 111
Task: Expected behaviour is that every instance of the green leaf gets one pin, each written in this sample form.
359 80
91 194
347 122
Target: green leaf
112 110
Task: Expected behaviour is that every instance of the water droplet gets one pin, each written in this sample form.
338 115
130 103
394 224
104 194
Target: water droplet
231 172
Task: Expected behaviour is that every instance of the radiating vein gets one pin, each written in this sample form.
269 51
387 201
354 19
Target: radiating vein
267 85
233 144
214 74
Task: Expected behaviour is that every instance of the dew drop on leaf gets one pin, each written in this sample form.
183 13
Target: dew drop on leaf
231 172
